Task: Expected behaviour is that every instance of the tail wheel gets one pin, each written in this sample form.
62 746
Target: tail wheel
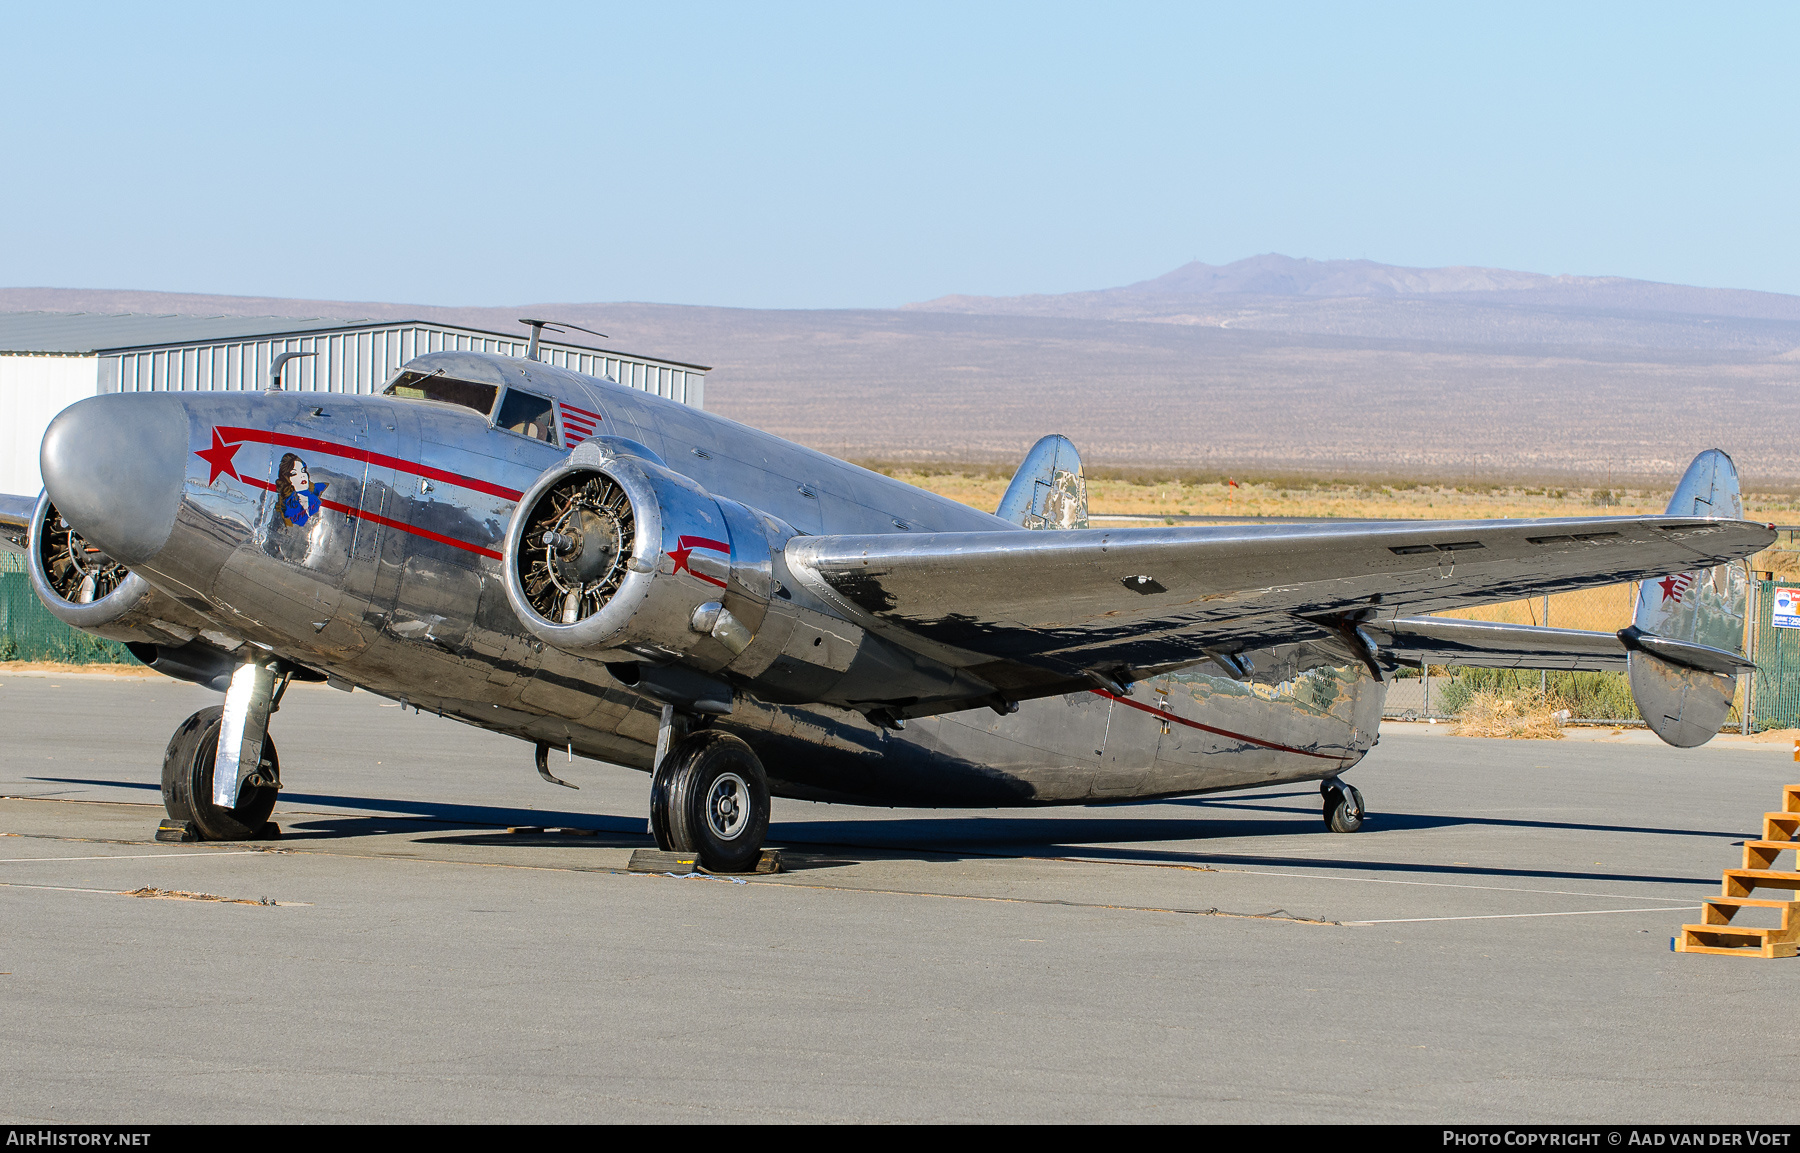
187 782
711 797
1343 809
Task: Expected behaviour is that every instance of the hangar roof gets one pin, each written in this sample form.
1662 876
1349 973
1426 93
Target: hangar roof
85 333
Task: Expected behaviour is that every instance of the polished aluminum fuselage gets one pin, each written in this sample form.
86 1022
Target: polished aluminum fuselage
394 585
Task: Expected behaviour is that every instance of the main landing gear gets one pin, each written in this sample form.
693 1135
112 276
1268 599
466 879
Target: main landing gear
709 796
1343 805
221 774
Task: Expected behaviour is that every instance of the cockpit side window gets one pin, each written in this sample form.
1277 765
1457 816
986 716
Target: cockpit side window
435 386
528 414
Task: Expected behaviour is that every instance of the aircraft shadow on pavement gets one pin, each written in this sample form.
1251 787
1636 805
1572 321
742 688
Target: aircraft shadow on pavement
1101 840
957 835
388 815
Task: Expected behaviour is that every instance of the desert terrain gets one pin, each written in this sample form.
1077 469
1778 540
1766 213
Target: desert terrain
1266 368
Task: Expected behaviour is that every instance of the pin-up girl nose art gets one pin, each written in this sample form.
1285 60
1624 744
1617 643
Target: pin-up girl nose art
298 495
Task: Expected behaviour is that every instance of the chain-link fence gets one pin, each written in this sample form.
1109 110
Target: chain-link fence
1775 689
29 633
1586 697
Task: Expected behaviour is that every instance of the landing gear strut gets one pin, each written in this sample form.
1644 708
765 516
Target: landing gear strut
187 785
1343 805
220 773
709 796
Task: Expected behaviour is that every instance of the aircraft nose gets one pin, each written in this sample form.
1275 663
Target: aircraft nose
115 466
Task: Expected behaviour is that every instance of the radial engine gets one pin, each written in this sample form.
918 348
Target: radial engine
685 596
84 587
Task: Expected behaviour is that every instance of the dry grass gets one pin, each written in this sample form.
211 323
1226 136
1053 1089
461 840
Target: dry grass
1775 737
1145 492
1525 715
43 667
184 895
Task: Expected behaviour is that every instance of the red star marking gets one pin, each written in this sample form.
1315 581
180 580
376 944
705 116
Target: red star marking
685 549
218 458
1672 586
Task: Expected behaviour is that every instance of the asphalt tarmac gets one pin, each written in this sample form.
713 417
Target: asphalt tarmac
1493 947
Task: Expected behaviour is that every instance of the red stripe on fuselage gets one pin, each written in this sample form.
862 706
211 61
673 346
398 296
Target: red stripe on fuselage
330 448
1156 712
358 514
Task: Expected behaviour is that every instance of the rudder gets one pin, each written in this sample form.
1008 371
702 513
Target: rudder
1049 490
1684 705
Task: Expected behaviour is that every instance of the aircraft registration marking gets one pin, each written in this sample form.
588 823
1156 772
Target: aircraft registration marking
1173 719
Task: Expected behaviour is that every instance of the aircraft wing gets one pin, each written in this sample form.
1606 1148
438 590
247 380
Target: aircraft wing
1031 611
15 521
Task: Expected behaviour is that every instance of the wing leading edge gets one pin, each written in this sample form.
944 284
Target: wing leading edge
1030 612
15 521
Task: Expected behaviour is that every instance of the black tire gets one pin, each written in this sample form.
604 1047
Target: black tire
711 797
1343 813
187 780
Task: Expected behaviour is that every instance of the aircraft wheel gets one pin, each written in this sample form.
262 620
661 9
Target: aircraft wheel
187 782
1343 808
711 797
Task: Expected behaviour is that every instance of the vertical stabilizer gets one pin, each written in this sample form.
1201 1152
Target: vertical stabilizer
1685 706
1049 490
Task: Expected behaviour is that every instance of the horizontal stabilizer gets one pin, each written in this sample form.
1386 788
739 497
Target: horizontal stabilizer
1687 654
1488 645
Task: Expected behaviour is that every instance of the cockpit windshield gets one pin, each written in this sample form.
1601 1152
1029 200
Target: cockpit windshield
436 386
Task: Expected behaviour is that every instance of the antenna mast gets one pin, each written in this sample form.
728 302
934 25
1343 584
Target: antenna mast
538 326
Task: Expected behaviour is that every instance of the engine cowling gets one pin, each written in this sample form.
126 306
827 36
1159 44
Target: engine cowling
83 587
617 558
684 595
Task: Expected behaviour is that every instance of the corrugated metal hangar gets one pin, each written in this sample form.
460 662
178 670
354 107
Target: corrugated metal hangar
50 360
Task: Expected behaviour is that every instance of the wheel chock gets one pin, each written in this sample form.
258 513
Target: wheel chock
177 832
658 861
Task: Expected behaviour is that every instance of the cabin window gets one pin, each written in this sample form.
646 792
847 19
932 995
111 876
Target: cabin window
435 386
529 415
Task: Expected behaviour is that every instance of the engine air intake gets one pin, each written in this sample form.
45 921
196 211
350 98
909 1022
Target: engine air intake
576 546
75 570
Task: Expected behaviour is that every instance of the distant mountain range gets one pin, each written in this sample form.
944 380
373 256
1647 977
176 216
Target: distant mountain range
1245 282
1267 365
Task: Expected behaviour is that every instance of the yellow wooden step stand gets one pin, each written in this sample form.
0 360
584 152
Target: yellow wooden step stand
1716 933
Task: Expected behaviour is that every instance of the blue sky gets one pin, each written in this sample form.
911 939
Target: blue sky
863 156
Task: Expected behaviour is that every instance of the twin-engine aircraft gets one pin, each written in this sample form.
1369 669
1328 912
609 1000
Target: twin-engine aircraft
590 568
